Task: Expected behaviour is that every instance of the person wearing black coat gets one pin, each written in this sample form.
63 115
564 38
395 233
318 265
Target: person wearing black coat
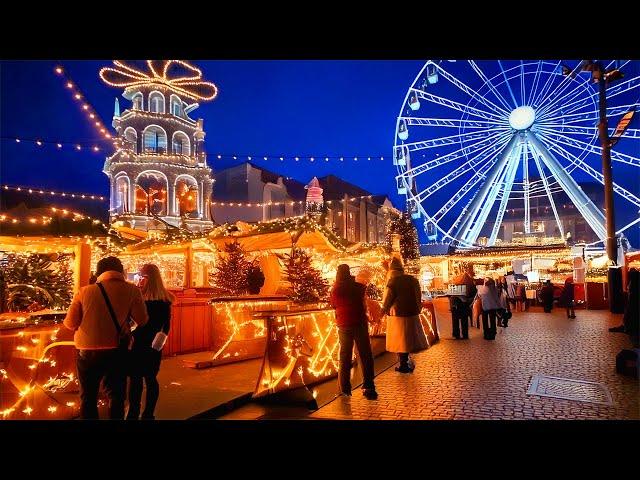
145 359
547 296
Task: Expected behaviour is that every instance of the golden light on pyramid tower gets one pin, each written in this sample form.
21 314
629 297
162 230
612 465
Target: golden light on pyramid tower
177 75
159 174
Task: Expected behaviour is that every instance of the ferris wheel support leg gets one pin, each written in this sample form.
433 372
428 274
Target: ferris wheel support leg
549 195
507 180
525 174
585 206
465 231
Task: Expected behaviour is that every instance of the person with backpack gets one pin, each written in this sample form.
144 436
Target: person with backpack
99 315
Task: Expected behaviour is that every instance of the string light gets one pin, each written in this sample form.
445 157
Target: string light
41 143
296 158
191 86
77 95
41 191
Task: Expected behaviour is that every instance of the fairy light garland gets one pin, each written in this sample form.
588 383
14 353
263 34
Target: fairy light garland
45 220
300 157
53 193
92 115
191 86
76 146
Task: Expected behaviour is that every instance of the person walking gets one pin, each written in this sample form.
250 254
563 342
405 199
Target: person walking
521 297
402 303
568 297
491 302
504 312
148 342
99 315
546 295
348 299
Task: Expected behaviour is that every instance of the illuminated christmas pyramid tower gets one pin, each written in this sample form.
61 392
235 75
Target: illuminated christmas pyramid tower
159 169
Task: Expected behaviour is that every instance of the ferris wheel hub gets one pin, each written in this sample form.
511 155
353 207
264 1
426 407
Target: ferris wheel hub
522 118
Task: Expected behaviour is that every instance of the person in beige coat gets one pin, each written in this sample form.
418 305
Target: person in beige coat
402 304
96 337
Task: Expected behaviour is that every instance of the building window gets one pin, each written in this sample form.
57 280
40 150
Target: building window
180 143
122 194
131 139
137 101
537 227
156 102
155 140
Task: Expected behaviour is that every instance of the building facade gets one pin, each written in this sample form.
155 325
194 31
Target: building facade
252 194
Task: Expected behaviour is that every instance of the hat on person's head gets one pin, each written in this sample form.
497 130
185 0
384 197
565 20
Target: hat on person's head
343 273
396 264
107 264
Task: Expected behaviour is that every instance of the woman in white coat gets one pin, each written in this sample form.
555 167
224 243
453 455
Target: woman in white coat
402 303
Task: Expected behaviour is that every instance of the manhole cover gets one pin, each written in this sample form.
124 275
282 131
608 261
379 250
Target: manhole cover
569 389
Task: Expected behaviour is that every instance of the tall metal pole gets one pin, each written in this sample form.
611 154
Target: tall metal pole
605 141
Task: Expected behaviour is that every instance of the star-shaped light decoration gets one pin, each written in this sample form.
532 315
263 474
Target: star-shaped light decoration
176 75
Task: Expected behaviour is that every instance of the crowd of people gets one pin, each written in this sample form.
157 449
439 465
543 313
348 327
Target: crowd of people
120 329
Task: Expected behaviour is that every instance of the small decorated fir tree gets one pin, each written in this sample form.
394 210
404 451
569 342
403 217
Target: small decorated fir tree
232 270
409 245
307 284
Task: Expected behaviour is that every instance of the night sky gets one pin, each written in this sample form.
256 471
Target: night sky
274 108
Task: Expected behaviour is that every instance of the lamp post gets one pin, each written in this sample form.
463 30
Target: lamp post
603 78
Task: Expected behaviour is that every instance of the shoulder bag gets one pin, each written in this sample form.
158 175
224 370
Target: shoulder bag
125 339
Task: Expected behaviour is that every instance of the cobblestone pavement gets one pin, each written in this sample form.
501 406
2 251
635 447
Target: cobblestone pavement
480 379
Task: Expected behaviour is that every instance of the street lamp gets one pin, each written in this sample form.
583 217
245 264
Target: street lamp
603 78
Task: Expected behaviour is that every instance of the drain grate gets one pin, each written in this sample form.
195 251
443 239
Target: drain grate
569 389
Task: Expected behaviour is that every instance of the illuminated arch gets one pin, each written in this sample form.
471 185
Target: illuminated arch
187 196
154 139
131 136
151 191
122 189
156 102
180 143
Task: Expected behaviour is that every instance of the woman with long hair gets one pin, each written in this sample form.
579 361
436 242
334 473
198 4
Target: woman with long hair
145 359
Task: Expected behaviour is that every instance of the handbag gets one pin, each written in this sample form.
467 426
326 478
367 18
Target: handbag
125 340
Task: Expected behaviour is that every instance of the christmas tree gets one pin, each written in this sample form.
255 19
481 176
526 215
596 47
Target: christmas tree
409 245
307 284
232 270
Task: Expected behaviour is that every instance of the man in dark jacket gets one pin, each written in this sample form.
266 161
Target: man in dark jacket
547 296
348 298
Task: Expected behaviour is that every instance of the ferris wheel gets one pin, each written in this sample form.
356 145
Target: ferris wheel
473 137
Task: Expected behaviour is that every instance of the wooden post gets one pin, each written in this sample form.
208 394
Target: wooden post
188 281
81 266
